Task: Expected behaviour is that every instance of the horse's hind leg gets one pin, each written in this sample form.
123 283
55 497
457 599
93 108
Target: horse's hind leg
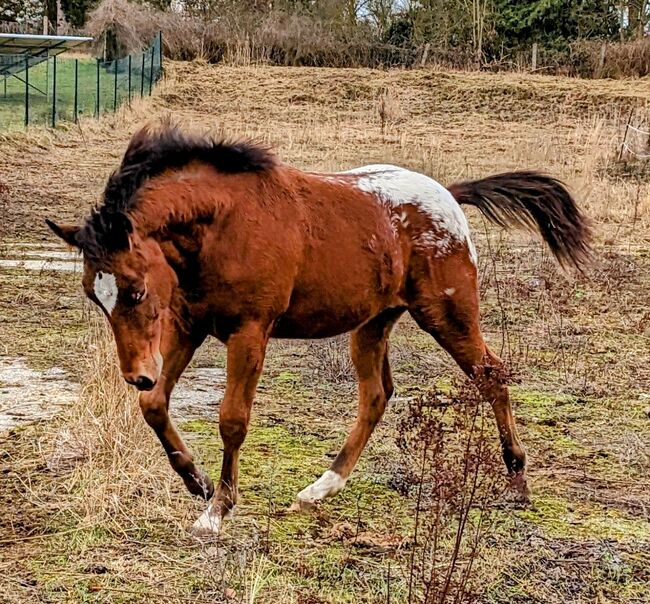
369 347
444 302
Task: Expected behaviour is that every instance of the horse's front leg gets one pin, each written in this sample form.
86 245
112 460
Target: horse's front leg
246 350
177 350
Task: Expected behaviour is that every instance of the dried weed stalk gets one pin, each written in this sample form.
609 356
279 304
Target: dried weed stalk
455 471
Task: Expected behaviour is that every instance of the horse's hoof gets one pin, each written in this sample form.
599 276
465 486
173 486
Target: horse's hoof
208 524
200 484
517 494
330 483
301 505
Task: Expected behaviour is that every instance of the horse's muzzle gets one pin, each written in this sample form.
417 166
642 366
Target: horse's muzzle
141 382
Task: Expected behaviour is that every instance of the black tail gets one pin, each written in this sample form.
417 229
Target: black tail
536 202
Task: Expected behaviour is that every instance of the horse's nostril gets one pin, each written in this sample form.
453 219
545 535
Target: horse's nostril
142 382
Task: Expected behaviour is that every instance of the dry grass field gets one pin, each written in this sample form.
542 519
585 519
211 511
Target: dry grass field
91 512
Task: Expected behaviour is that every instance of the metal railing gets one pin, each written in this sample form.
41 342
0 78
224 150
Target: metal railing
45 90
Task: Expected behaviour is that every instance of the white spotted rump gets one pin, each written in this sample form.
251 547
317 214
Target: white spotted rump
106 290
397 186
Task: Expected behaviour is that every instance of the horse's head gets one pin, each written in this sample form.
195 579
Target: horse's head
132 284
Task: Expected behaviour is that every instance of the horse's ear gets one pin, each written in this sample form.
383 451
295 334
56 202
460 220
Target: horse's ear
119 229
69 233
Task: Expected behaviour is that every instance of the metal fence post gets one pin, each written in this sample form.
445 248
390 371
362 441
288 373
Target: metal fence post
76 90
153 50
97 92
26 91
116 63
142 76
130 61
54 91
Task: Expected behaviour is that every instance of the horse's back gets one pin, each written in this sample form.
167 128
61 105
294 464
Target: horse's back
428 211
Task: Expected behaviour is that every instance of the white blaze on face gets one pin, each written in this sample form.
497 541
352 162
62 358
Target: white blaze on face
106 290
330 483
397 186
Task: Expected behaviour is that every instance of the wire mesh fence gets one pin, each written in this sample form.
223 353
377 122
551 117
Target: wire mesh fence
46 90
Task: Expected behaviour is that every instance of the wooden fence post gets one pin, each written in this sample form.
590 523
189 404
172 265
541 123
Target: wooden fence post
601 59
425 54
534 59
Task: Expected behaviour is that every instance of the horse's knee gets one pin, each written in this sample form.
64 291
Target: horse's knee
491 380
233 431
153 405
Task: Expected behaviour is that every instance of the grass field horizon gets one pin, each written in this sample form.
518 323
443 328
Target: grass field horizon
94 513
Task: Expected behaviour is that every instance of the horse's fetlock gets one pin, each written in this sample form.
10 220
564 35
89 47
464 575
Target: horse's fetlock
515 459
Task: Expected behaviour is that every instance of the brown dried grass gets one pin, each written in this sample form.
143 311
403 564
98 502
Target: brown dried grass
583 337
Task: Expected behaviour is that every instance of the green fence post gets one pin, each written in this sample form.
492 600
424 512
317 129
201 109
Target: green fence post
142 77
115 66
153 50
97 92
130 57
54 91
26 91
76 90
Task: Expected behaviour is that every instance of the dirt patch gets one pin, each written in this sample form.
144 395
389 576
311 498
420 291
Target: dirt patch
27 395
40 258
198 394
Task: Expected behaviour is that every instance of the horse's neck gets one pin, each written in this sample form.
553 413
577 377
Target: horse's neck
176 202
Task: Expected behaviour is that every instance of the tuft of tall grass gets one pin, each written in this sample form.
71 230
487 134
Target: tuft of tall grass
119 472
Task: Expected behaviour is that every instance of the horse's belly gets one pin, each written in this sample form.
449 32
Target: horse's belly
322 323
324 308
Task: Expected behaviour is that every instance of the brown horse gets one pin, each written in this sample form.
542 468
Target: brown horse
199 237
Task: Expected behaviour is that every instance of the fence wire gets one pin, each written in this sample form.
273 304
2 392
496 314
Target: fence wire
48 90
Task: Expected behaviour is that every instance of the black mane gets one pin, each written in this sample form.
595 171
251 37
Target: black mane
150 153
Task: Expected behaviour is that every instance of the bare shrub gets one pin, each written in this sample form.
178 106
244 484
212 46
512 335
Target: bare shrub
240 36
132 25
454 469
388 109
624 59
332 359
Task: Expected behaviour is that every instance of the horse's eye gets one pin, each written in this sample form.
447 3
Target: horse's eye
138 296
